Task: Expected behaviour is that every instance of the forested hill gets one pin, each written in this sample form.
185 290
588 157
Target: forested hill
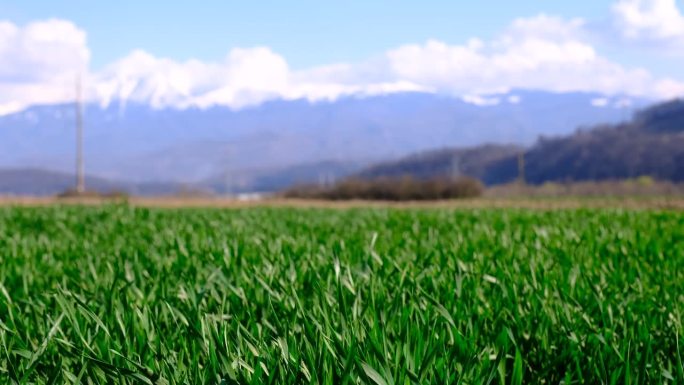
483 162
652 144
45 183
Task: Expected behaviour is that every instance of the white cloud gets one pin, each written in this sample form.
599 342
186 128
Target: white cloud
40 62
10 107
650 19
246 77
536 53
542 52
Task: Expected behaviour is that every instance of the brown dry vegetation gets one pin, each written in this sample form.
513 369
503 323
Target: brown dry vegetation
538 203
391 189
641 193
637 187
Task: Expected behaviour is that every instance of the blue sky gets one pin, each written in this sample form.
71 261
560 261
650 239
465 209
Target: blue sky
237 54
307 32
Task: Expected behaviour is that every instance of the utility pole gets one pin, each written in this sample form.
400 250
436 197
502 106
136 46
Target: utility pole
227 185
521 168
455 166
80 178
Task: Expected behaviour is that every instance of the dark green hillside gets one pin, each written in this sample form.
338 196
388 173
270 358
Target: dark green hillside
652 144
487 163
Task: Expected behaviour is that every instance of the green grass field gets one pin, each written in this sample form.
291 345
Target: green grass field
115 294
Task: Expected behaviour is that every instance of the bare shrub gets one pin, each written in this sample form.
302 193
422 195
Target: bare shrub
116 195
391 189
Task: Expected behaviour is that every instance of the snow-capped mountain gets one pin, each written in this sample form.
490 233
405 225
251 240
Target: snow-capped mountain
138 141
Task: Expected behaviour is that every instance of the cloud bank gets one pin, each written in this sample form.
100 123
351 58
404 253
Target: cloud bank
38 60
42 59
650 20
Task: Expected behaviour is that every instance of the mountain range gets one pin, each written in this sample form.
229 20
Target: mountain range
282 142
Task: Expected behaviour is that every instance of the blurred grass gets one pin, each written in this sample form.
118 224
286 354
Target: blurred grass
117 294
